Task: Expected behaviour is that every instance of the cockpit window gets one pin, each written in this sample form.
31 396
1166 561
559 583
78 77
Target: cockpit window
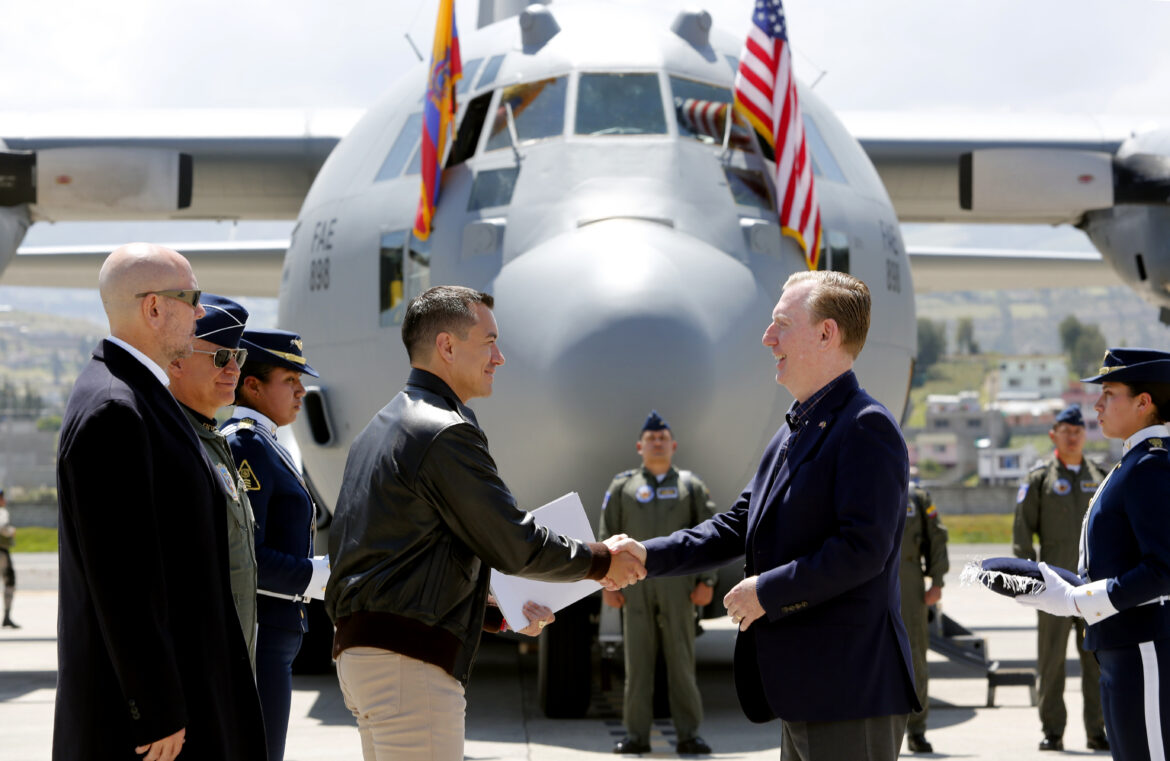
404 145
490 71
749 188
538 109
404 271
469 70
824 165
701 110
619 104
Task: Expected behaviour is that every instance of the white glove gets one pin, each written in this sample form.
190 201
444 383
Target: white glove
316 588
1056 598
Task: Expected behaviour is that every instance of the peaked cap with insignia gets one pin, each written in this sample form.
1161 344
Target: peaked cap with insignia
224 322
1126 365
654 422
277 347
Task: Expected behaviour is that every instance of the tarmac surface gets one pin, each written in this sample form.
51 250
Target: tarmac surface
504 722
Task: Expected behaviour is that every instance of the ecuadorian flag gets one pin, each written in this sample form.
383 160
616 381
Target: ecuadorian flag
438 113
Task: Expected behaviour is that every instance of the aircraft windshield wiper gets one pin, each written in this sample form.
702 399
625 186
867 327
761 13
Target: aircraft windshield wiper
513 136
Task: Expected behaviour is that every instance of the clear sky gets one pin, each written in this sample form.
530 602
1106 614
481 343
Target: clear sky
1098 56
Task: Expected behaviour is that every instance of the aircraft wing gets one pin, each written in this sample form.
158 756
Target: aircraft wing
235 268
1026 168
129 165
946 269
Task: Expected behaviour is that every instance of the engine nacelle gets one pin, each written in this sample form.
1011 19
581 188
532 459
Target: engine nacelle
1029 182
99 182
14 223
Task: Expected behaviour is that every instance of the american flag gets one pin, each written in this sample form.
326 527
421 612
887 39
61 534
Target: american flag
765 91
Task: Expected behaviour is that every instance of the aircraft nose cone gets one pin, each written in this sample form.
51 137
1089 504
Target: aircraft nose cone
610 320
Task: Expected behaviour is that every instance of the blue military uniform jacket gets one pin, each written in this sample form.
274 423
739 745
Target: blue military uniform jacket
1127 540
822 527
285 516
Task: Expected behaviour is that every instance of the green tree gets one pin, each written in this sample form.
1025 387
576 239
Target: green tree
932 344
965 342
1083 344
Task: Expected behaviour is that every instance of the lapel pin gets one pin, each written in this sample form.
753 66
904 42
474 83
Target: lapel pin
821 424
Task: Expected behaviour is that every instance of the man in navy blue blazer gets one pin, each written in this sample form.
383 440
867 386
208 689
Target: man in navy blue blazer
821 644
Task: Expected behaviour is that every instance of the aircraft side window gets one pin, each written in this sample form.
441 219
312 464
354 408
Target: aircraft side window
469 70
492 187
490 71
749 188
404 271
824 164
733 62
538 108
391 283
404 144
834 251
619 104
469 129
701 112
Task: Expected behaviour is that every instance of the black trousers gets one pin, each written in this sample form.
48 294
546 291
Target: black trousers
878 738
1135 696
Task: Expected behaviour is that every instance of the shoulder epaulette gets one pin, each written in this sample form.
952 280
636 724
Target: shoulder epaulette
1156 445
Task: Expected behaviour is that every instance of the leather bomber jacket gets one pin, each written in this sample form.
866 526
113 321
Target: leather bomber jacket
423 516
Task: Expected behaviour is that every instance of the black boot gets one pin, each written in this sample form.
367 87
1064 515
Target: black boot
9 623
1052 742
918 744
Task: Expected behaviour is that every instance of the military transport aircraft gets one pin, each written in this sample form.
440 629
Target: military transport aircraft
631 245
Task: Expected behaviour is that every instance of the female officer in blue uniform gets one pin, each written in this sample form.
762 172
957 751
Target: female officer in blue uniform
269 396
1125 558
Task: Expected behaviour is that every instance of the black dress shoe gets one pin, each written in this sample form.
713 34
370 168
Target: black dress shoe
630 745
10 624
696 746
1098 742
918 744
1051 742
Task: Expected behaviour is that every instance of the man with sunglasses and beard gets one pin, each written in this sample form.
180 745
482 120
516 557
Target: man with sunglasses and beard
202 383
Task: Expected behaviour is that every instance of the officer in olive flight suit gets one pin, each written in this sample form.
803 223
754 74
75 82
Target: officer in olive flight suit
1051 504
655 500
923 539
202 383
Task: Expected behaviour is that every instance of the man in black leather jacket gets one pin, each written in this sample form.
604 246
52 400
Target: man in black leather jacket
421 519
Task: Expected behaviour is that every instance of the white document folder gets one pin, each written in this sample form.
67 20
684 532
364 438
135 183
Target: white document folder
565 516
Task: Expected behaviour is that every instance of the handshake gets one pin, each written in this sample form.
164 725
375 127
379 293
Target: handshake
627 564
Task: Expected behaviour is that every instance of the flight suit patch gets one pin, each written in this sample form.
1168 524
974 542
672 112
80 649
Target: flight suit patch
605 501
1062 486
248 476
1023 492
229 480
644 494
1089 487
931 511
910 512
668 492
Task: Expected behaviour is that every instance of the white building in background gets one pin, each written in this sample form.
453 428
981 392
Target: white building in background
1000 465
1021 378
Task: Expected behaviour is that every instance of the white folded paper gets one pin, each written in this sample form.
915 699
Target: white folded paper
565 516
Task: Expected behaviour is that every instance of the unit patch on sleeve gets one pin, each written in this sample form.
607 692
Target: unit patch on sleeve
1023 492
248 476
229 480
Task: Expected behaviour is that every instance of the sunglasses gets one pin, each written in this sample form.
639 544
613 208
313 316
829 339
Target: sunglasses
187 296
220 357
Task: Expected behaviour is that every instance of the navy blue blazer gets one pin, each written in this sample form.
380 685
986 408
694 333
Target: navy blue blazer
822 529
149 640
1128 540
284 526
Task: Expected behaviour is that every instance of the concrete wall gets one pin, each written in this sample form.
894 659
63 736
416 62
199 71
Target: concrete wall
978 500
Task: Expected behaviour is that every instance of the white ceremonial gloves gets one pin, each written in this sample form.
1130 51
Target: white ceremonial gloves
316 588
1059 598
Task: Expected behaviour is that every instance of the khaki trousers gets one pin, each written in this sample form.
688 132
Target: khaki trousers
406 710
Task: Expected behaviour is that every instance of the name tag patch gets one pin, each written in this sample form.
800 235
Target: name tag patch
668 492
1088 487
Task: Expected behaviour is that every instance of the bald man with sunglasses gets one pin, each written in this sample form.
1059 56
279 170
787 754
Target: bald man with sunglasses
203 383
151 660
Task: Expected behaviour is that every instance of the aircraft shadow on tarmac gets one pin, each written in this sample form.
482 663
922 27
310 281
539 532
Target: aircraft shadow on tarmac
17 684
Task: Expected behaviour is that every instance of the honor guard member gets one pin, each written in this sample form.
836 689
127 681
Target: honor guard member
7 540
1051 504
924 553
269 396
655 500
1124 558
202 383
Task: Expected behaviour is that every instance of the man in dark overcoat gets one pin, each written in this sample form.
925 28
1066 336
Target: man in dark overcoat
151 659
